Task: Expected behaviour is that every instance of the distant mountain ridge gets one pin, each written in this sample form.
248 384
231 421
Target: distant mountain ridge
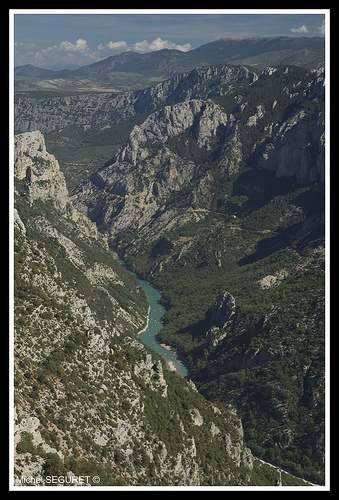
131 70
104 109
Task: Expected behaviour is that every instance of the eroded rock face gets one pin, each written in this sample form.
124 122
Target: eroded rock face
272 279
297 148
152 374
223 310
206 116
137 184
222 315
32 162
171 152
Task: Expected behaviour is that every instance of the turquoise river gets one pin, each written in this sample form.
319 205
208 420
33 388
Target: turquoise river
148 336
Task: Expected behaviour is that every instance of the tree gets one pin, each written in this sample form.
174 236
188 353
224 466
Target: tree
54 466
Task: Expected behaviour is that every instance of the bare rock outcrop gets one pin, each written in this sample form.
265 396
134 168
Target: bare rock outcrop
41 169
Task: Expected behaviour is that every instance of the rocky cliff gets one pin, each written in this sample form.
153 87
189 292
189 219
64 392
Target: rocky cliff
273 122
41 170
297 148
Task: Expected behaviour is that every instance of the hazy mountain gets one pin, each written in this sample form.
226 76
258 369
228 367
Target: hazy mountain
131 70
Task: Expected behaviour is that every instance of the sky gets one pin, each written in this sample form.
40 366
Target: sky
59 38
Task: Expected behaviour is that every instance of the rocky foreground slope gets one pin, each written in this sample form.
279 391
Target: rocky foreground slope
89 399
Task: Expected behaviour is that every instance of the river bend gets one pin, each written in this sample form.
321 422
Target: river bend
148 336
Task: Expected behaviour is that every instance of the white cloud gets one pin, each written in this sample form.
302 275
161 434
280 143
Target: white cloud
159 44
120 45
302 29
79 53
322 28
79 46
145 46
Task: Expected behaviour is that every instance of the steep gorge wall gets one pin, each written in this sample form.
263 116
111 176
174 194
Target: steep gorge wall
89 399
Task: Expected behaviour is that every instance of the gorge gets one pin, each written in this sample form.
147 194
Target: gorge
210 186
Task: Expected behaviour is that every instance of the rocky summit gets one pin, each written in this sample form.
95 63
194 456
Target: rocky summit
210 185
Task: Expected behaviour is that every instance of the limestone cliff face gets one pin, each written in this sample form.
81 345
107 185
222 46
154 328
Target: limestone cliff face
194 85
222 315
174 150
56 113
131 190
223 310
40 169
40 172
297 148
207 118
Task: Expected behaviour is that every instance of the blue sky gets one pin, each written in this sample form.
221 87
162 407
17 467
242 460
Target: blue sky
64 38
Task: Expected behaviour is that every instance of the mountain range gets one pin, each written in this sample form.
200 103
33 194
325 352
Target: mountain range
131 70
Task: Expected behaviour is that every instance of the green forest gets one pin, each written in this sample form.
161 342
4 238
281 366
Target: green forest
280 394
